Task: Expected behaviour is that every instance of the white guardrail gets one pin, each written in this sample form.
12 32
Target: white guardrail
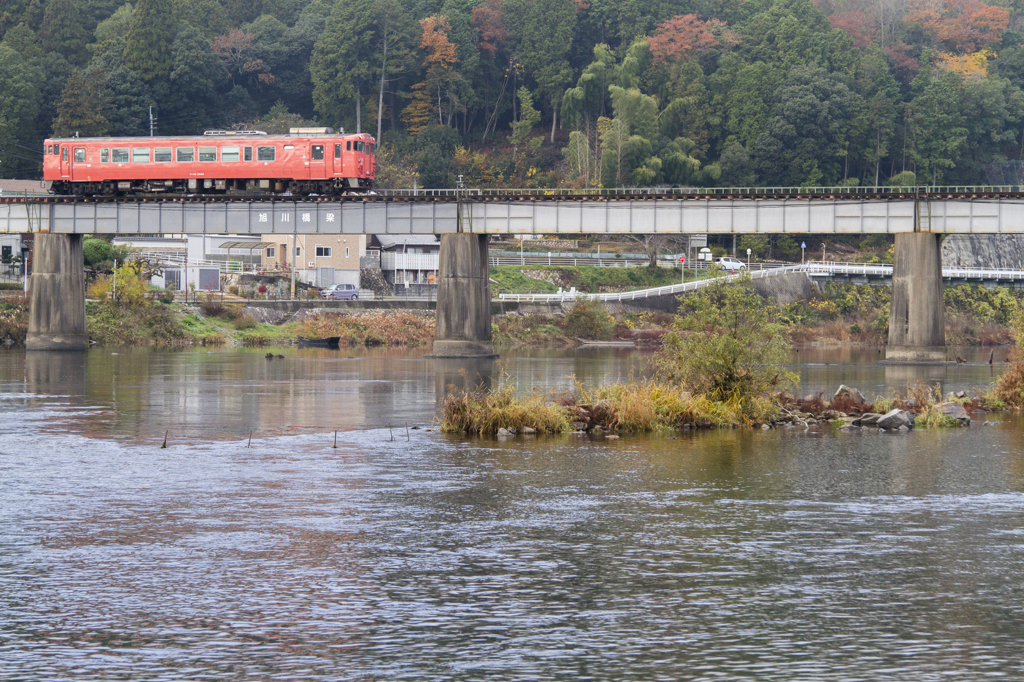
811 269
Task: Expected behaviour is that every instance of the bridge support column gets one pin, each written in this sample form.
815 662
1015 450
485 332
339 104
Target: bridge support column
463 322
917 325
57 296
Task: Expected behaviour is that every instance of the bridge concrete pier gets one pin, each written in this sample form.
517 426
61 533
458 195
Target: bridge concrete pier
917 325
57 295
463 319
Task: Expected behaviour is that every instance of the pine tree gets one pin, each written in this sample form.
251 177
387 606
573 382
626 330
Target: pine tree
148 51
81 106
62 31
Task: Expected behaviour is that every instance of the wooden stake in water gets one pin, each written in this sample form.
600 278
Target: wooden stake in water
407 431
249 444
335 446
165 440
391 431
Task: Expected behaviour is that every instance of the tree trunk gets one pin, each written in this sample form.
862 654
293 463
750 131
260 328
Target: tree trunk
391 110
380 96
359 115
554 121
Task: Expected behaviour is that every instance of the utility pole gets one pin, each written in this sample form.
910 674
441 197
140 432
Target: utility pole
151 121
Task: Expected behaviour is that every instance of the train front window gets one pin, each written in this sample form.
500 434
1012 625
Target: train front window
247 153
56 149
79 155
140 154
186 154
104 156
337 151
229 154
359 145
266 153
318 152
119 155
162 155
207 154
49 149
348 145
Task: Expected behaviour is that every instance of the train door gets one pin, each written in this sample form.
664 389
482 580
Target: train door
338 166
79 169
317 163
65 164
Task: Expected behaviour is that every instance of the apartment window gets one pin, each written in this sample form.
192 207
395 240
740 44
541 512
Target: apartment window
229 154
346 252
140 155
298 251
79 155
119 155
323 252
207 154
186 154
162 155
266 153
270 252
105 156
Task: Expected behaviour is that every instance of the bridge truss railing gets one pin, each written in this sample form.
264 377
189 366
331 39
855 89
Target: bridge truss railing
600 192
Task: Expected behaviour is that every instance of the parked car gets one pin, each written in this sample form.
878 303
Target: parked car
730 263
341 292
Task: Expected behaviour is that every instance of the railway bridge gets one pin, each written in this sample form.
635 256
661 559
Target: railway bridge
464 218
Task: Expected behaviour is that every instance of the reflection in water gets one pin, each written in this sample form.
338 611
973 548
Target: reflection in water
780 555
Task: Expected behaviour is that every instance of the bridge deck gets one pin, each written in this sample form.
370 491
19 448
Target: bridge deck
964 211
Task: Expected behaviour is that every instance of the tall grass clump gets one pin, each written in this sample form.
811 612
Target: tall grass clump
483 412
1009 387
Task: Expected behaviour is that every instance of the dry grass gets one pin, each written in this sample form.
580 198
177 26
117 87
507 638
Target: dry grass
483 412
371 327
1009 388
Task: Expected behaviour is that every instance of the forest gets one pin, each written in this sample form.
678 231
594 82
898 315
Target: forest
543 93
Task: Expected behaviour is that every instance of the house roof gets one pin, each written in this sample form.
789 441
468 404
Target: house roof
388 241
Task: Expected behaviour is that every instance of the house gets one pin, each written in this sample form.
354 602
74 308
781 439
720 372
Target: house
409 259
319 259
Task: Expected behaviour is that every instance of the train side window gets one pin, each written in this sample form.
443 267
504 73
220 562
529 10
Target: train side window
49 149
266 153
56 149
140 154
186 154
229 154
105 155
79 155
337 151
119 155
247 153
64 153
318 152
162 155
207 154
348 146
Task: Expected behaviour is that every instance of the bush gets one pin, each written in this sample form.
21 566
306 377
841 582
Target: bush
210 307
726 344
589 319
245 321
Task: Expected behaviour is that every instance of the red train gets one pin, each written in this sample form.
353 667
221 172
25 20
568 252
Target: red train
306 161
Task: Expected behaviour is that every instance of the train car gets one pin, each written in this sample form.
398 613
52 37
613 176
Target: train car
305 161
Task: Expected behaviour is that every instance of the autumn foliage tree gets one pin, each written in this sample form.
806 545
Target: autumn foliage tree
687 35
437 94
962 25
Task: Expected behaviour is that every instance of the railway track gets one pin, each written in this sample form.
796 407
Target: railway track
541 195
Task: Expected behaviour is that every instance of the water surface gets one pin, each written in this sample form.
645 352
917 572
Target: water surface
791 554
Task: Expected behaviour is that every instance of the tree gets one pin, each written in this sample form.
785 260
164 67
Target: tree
528 118
365 43
804 141
435 148
737 171
440 86
62 31
147 51
81 107
686 35
726 345
19 105
936 127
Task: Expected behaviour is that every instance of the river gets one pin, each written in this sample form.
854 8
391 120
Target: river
788 554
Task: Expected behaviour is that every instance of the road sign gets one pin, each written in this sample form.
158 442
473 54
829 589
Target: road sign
698 240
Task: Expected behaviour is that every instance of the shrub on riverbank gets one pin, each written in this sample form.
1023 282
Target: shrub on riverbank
589 319
14 320
146 324
726 344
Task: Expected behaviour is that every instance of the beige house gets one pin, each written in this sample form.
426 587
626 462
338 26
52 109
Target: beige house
319 259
